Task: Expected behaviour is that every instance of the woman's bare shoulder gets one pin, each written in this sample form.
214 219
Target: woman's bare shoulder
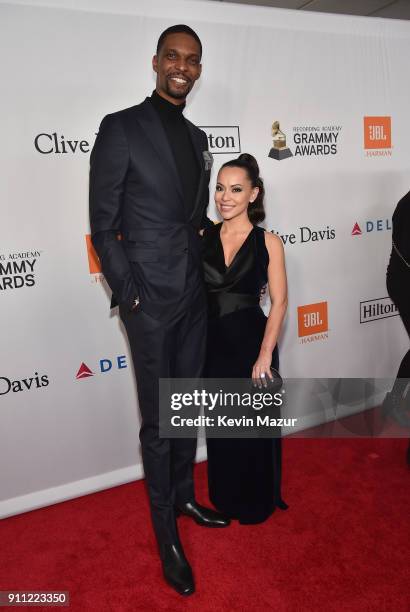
273 242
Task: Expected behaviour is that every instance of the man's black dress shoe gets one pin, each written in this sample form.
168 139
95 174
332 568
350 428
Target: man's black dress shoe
203 516
176 569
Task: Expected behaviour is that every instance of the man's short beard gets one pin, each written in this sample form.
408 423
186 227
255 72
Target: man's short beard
178 95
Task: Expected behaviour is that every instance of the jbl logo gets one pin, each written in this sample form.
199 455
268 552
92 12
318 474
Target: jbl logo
312 319
377 132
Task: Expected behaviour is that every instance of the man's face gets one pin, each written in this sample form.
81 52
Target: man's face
178 66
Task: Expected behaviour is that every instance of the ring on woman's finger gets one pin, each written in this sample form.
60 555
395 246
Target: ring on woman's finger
263 375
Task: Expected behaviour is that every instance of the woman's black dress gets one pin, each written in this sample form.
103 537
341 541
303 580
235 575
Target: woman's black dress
398 272
398 287
244 474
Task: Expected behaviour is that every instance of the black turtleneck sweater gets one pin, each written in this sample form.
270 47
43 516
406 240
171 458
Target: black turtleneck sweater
181 145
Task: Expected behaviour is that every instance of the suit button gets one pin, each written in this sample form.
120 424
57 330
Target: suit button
185 250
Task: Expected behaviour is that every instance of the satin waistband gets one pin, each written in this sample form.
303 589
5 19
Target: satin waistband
223 303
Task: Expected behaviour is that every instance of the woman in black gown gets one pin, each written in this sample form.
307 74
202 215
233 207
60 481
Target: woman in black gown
239 259
397 402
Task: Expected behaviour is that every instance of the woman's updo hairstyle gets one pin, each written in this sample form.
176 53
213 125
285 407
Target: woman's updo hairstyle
256 210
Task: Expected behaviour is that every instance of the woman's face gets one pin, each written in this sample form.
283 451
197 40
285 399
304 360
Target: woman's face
233 192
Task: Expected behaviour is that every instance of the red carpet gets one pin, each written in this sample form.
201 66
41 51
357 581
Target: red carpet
342 545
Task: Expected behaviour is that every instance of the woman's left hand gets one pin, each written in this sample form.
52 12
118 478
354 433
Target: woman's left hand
261 371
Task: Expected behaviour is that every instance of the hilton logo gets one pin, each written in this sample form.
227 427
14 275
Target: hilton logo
380 308
223 139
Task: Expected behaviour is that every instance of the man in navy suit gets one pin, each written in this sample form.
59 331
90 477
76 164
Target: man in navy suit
149 179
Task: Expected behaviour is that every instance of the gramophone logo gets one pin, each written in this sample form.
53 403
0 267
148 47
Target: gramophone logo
279 149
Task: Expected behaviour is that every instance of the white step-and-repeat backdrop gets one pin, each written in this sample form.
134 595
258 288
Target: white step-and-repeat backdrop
339 89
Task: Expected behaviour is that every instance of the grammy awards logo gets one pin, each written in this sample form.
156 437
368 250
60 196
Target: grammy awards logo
279 149
18 269
306 140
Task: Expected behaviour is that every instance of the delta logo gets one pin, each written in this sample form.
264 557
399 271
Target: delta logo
104 365
377 136
371 226
84 372
313 322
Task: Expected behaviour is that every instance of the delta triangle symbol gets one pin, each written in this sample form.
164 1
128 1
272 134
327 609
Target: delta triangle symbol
356 231
84 372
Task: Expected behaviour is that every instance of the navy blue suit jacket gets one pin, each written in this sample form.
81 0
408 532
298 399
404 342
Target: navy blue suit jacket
135 191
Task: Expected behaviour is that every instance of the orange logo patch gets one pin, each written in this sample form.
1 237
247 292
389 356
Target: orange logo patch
312 319
377 132
93 260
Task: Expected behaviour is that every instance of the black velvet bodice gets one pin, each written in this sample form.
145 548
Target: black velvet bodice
231 288
401 226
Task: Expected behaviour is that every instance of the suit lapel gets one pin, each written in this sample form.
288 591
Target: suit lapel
152 126
198 148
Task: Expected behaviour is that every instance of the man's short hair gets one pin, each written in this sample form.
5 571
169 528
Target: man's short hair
177 29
